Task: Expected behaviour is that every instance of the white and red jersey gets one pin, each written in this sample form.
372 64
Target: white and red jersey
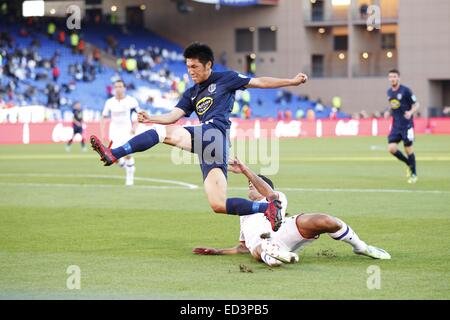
120 111
253 225
121 118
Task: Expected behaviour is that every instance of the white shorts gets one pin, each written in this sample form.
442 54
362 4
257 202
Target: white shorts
288 237
119 135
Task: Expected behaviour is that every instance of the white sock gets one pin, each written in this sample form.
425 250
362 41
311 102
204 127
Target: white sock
271 262
130 169
122 162
346 234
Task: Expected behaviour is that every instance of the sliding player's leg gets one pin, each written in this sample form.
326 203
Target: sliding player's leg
312 225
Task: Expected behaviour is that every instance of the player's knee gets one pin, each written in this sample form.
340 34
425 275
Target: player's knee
218 207
392 149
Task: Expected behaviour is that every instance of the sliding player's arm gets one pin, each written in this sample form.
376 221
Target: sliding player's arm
236 166
240 248
167 118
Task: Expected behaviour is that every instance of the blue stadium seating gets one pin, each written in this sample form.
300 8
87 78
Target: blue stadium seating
93 94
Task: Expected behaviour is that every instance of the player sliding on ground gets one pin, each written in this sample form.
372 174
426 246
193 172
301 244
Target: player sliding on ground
275 248
211 98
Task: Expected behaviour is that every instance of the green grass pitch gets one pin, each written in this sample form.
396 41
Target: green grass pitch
59 209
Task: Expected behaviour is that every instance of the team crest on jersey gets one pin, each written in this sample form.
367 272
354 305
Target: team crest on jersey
399 96
203 105
395 104
212 88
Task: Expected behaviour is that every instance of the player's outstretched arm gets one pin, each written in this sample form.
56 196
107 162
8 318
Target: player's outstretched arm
167 118
240 248
270 82
236 166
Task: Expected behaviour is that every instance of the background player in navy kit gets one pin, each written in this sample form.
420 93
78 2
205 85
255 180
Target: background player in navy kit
211 98
403 106
77 124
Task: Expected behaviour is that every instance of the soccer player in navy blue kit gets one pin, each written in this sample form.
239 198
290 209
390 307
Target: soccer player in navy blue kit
403 106
77 125
211 98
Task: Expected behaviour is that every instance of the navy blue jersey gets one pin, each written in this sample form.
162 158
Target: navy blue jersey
401 100
213 99
77 115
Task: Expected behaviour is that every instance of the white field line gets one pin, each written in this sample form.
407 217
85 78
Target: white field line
97 176
183 185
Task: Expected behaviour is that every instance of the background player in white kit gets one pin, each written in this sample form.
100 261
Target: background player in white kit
121 129
274 248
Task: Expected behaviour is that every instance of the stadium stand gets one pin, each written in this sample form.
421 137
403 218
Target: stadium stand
39 69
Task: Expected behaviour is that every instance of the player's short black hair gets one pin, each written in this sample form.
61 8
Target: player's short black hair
394 71
199 51
120 80
267 180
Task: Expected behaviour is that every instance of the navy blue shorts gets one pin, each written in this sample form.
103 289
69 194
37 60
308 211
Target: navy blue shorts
402 134
211 145
77 129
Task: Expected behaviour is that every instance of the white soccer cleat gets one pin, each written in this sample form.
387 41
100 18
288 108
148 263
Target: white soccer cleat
374 252
129 182
412 179
274 250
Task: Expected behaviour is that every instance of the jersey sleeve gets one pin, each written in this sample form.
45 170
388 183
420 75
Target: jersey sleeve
236 81
134 105
106 109
411 97
185 103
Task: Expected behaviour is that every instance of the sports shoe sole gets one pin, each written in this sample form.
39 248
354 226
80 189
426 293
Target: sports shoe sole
97 148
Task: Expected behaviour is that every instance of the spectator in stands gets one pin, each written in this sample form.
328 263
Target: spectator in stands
74 41
97 55
61 37
109 91
30 94
51 28
333 113
376 115
53 96
236 109
55 73
319 106
81 46
288 115
363 114
23 32
245 97
336 102
279 115
310 114
123 64
131 65
112 44
446 111
246 112
300 113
